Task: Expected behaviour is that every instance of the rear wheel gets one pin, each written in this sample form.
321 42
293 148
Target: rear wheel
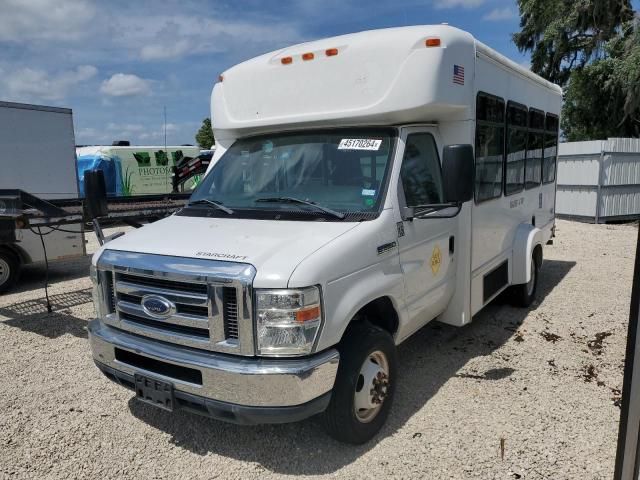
365 384
524 294
8 270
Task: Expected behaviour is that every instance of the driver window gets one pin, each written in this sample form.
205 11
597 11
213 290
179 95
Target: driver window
420 171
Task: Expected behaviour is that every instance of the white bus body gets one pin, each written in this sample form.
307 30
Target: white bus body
388 102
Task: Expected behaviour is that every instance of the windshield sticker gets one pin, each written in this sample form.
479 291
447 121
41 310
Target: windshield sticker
267 147
368 193
359 144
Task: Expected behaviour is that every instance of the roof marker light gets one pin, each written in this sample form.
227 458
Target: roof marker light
331 52
220 78
432 42
286 60
307 56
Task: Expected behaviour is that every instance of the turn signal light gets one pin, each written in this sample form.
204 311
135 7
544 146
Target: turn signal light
432 42
330 52
286 60
307 314
307 56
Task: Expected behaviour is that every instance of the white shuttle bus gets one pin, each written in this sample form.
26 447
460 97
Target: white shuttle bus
362 186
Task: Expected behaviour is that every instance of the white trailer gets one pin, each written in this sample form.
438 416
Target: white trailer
362 186
37 155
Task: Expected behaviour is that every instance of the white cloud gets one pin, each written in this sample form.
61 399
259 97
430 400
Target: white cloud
96 32
176 36
125 85
126 128
33 83
137 133
45 19
156 51
444 4
500 14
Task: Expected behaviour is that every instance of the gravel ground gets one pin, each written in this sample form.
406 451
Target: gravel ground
517 394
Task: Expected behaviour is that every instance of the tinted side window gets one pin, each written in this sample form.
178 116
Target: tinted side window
516 148
535 143
420 171
550 148
489 147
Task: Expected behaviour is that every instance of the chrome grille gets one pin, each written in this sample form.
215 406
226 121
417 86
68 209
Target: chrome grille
165 284
112 293
212 308
230 309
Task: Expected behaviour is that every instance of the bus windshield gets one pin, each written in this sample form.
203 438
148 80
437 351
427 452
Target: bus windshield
340 170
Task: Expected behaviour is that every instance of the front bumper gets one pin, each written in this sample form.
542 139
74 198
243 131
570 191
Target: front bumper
231 388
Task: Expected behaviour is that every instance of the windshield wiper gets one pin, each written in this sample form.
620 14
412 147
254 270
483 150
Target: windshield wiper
206 201
304 202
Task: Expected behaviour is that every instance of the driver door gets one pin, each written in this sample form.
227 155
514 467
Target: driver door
427 248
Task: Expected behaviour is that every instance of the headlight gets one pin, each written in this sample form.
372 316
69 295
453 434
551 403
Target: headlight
95 290
288 320
93 274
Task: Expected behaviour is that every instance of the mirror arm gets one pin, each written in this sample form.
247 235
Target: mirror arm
408 214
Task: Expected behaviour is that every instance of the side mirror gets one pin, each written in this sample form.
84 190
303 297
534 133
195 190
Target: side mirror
95 194
457 173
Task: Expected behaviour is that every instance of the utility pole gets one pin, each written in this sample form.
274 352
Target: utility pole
165 128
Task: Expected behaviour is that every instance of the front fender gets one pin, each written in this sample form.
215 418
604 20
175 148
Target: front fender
526 239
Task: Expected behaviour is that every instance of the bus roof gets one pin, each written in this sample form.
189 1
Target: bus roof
377 77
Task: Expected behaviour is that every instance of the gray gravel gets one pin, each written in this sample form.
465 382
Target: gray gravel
542 382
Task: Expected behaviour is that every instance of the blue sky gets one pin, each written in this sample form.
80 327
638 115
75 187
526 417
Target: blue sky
118 63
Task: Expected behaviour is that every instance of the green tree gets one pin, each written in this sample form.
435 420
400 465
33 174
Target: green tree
592 49
204 137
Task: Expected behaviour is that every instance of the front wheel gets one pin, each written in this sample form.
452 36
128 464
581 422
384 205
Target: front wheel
365 384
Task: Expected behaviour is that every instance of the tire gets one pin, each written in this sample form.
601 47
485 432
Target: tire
364 350
524 294
9 267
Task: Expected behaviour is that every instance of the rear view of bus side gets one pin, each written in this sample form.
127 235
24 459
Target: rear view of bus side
516 138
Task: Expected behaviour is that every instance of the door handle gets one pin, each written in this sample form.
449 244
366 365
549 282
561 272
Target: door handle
452 244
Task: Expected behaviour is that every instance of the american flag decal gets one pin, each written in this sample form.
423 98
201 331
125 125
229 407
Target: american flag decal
458 74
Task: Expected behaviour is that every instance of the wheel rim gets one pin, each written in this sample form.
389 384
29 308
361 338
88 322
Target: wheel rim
532 282
4 271
372 386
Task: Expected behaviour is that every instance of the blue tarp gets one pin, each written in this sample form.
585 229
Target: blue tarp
109 165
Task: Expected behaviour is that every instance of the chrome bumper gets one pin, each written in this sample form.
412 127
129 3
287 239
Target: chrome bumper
251 382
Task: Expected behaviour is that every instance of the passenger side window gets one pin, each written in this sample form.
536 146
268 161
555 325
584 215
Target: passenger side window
489 147
535 143
550 148
420 172
516 148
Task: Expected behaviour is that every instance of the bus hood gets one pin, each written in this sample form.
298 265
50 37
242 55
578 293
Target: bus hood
273 247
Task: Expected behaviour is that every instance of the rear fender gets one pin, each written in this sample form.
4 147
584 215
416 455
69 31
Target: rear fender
526 239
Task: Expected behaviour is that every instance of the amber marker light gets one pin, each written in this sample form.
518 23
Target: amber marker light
307 56
432 42
331 52
307 314
286 60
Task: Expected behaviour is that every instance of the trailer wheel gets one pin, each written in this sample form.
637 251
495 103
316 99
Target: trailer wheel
9 266
524 294
365 384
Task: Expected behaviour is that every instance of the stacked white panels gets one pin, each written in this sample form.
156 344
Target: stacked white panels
599 180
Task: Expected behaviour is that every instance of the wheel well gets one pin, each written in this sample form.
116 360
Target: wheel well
381 313
537 255
15 252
